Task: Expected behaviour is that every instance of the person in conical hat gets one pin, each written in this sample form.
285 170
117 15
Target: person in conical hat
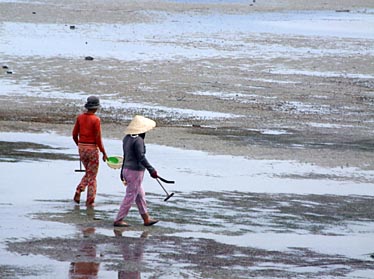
133 167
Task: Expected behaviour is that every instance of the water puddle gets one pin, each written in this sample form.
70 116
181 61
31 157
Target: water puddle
241 222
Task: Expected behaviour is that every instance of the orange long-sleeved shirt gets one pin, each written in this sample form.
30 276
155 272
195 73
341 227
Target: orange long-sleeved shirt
87 129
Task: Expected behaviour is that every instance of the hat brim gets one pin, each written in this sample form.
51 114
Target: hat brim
91 107
140 125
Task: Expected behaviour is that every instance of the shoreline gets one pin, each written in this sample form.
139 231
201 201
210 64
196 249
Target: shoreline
189 139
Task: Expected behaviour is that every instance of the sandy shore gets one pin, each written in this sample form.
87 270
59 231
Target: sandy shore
314 108
141 11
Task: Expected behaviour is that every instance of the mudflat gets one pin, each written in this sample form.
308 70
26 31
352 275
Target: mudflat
291 82
283 96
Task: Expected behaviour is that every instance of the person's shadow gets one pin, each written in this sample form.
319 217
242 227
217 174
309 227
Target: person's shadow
132 251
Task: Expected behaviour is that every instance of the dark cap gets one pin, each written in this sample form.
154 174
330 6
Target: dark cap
93 102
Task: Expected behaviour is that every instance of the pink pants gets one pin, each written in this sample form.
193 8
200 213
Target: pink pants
90 158
134 193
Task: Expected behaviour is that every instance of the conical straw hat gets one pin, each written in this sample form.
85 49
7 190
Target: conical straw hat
140 125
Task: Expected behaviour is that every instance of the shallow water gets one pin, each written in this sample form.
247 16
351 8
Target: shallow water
202 36
230 204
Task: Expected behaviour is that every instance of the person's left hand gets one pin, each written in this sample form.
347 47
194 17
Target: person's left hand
154 174
105 157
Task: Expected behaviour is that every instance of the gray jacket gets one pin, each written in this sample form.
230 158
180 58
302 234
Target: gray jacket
134 154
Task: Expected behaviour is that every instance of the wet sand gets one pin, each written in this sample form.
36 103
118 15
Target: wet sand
281 96
291 108
267 219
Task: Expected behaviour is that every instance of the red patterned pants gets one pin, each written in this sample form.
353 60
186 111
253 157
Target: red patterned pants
89 155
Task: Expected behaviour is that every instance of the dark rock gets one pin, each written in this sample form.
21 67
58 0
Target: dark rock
89 58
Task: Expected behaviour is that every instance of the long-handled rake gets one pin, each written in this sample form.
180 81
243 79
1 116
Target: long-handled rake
166 181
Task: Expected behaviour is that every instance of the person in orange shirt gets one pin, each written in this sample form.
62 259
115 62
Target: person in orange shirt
87 136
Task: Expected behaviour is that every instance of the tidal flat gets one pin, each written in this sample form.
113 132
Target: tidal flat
264 119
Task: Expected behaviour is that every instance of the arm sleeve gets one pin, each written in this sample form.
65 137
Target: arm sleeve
140 154
75 132
99 140
123 162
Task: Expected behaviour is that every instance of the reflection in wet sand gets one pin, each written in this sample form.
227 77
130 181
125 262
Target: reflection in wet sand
131 252
131 249
85 269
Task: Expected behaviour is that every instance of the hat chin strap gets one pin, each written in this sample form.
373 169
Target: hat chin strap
142 135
